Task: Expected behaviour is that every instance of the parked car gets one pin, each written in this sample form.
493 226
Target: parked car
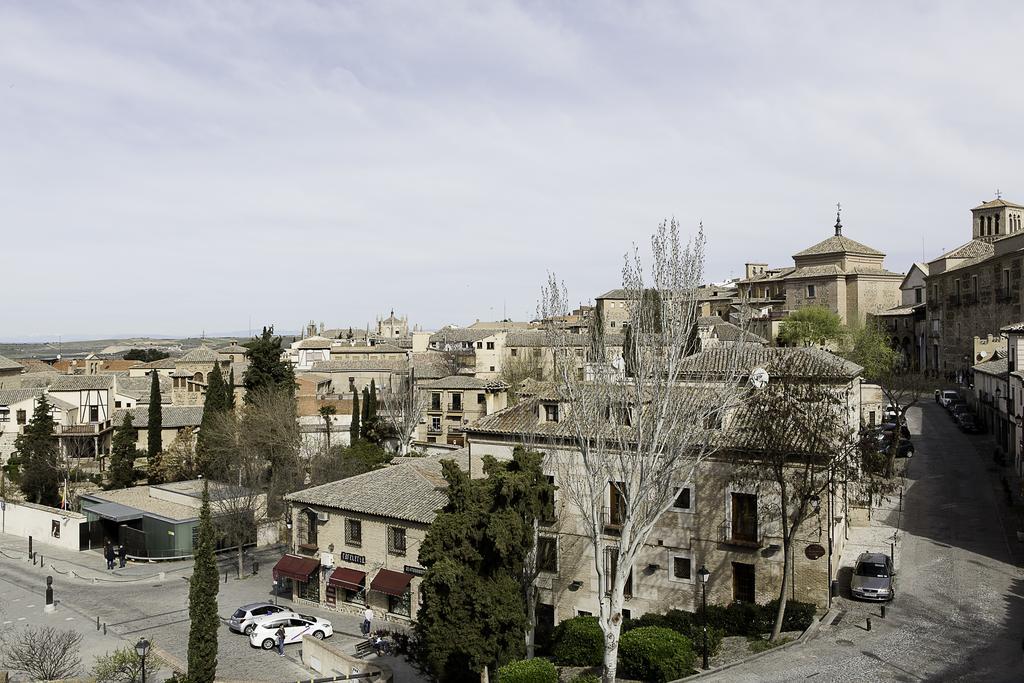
968 423
958 409
890 427
244 618
873 577
948 397
295 627
905 449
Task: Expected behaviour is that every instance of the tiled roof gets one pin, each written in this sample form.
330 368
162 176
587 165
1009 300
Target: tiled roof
1014 327
429 365
464 382
997 366
171 417
339 349
232 348
139 387
411 491
162 364
202 354
838 244
314 343
898 310
613 294
997 203
82 382
9 396
743 358
8 364
460 334
343 364
973 249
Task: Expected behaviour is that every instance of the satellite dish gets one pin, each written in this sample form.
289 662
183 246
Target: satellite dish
759 378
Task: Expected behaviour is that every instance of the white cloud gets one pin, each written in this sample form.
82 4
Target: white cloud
179 167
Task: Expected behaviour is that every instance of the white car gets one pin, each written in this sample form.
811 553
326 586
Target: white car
264 632
948 397
245 617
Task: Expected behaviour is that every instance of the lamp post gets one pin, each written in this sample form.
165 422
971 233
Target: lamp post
142 649
704 574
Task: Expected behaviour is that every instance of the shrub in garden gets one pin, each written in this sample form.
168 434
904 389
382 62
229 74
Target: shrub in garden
528 671
798 617
653 653
578 642
587 678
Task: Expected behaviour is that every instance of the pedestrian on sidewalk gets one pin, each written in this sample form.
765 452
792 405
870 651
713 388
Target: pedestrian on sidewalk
367 621
108 552
122 555
280 641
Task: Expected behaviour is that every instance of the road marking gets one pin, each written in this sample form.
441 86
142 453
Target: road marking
30 606
8 622
21 618
69 619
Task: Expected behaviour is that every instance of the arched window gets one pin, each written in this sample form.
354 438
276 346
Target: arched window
997 224
198 377
989 224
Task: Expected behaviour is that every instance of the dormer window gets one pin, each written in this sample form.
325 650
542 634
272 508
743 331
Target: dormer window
550 412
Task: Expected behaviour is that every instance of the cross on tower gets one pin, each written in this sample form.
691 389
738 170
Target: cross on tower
999 193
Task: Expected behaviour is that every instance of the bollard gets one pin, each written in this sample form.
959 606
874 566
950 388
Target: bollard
97 623
255 567
49 595
869 623
225 576
883 611
105 628
30 546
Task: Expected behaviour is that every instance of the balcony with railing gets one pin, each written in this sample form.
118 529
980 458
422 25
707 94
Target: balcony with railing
79 430
456 407
953 300
434 430
612 520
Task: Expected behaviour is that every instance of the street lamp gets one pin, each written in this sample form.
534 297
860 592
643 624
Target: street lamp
142 649
704 574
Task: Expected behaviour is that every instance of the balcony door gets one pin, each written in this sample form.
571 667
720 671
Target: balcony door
744 517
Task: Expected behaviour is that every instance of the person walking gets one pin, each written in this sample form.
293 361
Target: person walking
280 641
367 621
108 552
122 555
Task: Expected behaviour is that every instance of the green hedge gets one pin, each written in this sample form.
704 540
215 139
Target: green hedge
686 623
737 619
578 642
528 671
652 653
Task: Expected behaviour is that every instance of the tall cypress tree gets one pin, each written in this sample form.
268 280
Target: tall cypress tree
36 455
268 370
231 390
215 405
202 601
154 429
372 411
353 430
122 454
365 419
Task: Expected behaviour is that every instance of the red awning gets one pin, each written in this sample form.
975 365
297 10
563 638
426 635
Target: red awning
391 583
349 579
295 567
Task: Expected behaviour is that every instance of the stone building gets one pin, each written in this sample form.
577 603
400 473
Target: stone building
392 327
191 375
906 324
715 522
974 290
453 402
838 273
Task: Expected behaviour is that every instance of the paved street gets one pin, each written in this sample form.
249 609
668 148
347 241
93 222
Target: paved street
135 602
959 608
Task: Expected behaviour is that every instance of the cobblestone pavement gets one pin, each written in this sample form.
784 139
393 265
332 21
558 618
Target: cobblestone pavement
959 607
136 602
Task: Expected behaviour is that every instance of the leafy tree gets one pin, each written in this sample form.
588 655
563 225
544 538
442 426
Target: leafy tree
365 417
202 601
122 454
812 325
124 666
154 427
37 457
146 355
268 370
216 403
342 462
327 414
473 614
353 430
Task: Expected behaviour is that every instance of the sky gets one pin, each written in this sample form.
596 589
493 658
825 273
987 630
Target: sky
175 168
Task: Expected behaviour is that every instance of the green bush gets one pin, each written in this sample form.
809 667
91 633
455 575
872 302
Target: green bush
686 623
653 653
798 617
528 671
587 678
578 642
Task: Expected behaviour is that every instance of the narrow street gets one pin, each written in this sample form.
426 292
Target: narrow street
959 607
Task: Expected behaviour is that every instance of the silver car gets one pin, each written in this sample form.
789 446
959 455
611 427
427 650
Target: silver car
243 619
873 577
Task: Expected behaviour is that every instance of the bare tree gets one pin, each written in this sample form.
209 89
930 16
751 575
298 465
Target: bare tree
514 371
636 435
793 440
403 409
42 652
